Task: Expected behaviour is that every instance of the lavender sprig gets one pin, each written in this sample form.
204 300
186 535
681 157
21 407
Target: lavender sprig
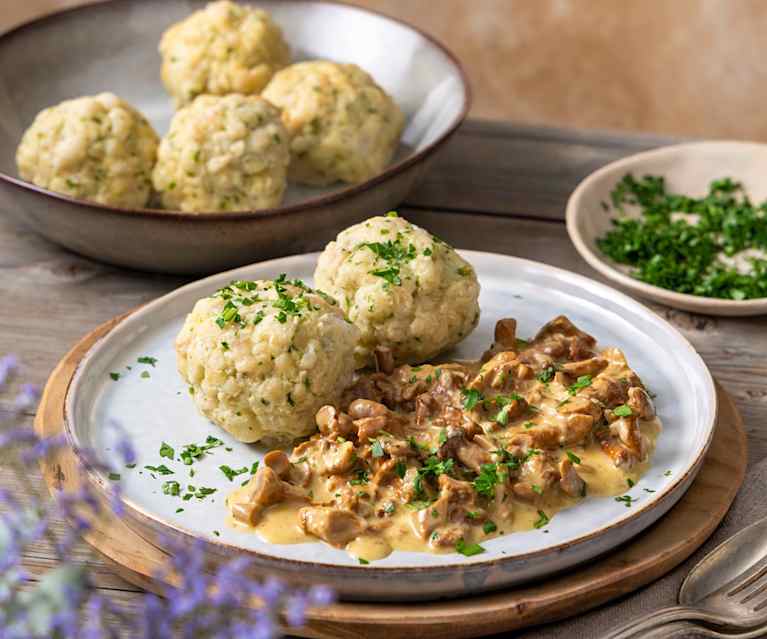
203 602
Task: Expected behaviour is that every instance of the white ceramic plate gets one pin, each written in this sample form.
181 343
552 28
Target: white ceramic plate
158 408
688 169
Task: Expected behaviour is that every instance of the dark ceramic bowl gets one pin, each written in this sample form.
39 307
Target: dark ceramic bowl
112 46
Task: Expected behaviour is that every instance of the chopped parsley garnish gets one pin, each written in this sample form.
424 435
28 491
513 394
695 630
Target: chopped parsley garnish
433 467
626 499
464 271
623 411
489 527
582 382
362 561
145 375
225 346
231 473
114 476
503 415
546 375
390 274
200 492
506 402
400 468
167 451
667 473
114 376
543 520
162 469
147 360
649 490
179 510
254 468
631 483
193 452
573 457
486 480
471 397
468 550
394 253
683 254
361 478
172 488
537 489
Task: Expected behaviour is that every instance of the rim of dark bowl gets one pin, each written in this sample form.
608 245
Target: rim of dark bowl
311 203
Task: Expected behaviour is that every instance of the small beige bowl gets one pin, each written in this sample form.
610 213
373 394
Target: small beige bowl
689 169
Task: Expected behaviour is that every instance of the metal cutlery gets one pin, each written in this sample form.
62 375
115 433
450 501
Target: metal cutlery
726 590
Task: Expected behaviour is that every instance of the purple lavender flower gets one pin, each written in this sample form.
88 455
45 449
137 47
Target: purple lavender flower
9 364
17 436
123 447
27 397
42 448
205 602
321 596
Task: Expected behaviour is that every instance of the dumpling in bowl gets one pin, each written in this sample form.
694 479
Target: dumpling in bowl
407 291
261 358
95 148
342 124
223 48
225 153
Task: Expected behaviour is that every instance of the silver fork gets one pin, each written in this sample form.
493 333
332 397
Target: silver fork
727 589
688 628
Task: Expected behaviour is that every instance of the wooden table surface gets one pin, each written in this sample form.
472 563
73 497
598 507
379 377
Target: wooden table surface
495 187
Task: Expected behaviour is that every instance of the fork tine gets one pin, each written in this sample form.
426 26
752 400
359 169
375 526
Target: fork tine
751 593
761 606
754 574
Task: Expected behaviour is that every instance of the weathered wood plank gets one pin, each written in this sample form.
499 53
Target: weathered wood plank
505 169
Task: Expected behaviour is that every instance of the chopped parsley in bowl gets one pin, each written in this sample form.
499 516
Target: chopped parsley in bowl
712 246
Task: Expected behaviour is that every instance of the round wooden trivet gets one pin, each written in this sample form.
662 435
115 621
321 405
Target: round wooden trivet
646 558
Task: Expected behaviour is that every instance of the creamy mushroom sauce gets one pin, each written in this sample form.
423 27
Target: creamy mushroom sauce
438 458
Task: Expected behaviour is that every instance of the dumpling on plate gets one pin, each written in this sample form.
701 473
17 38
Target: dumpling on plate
406 290
223 153
95 148
223 48
343 126
261 358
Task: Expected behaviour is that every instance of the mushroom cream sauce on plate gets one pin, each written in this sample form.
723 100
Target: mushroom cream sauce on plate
382 422
438 458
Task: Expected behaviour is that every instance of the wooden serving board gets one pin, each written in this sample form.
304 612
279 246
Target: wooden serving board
649 556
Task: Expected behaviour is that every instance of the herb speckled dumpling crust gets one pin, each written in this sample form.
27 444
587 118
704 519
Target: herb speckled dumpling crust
343 126
225 153
261 357
403 288
95 148
223 48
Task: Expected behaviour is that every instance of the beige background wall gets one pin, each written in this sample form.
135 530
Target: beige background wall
685 67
